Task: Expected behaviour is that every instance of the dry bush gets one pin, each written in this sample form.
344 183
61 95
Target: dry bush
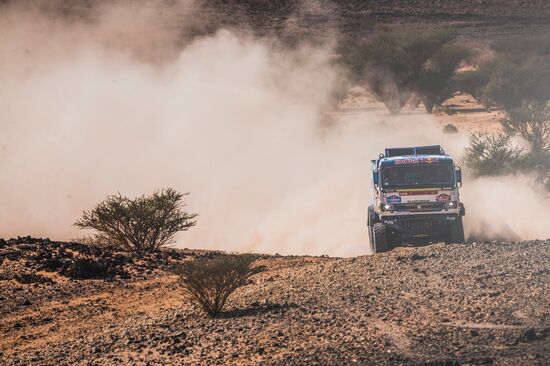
139 225
493 154
209 282
532 122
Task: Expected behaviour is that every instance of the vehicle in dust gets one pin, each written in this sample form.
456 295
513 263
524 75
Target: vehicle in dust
415 198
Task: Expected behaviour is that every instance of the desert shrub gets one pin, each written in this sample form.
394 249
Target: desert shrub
532 122
395 64
493 154
139 225
450 128
210 282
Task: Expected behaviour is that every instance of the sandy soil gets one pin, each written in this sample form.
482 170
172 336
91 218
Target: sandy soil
467 114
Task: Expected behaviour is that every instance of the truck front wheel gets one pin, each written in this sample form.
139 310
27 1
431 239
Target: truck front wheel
378 236
456 232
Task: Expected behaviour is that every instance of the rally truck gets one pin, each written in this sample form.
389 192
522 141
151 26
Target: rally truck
415 198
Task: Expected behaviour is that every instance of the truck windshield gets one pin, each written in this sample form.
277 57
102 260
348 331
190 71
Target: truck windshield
417 176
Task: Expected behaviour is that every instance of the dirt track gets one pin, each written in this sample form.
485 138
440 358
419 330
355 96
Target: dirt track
484 303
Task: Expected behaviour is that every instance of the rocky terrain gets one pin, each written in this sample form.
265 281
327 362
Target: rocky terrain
478 21
327 20
471 304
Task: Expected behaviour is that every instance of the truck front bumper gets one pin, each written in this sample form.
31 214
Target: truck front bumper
419 226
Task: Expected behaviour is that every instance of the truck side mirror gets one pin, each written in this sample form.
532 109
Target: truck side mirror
374 172
458 175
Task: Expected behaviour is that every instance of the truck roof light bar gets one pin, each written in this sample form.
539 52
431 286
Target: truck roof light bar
416 150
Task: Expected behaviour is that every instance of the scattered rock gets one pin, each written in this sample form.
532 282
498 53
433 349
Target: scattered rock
416 257
28 278
85 269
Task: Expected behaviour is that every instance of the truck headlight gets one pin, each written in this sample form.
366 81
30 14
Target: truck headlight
452 204
387 207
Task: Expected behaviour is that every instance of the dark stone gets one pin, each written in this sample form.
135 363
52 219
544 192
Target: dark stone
27 278
417 257
13 256
529 335
52 265
85 269
179 336
119 259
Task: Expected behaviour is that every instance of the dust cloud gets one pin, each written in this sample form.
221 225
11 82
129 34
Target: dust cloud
126 102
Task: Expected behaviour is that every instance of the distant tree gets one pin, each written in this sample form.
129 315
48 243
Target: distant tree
472 82
395 64
517 81
210 282
435 81
142 224
521 88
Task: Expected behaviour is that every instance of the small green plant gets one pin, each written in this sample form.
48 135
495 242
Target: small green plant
210 282
450 128
139 225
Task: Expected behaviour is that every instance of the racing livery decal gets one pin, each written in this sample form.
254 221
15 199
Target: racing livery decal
429 160
406 161
418 193
443 197
393 199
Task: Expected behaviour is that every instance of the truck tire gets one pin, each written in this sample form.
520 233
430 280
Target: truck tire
378 236
456 231
395 239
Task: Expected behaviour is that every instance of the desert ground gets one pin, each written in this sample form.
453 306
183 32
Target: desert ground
463 304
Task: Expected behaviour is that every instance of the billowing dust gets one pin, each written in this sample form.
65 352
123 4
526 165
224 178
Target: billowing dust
126 102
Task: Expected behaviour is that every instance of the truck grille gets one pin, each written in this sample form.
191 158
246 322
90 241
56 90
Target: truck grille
421 228
419 207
